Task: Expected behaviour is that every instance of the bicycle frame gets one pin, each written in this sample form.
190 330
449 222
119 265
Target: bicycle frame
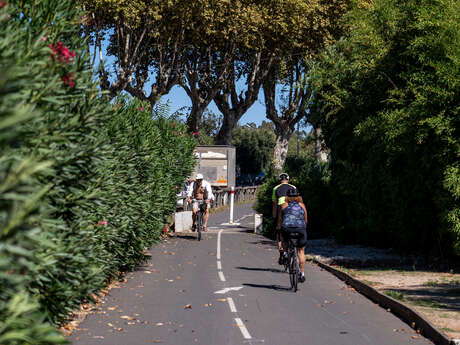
199 217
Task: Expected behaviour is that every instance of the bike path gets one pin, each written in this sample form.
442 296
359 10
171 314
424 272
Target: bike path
172 299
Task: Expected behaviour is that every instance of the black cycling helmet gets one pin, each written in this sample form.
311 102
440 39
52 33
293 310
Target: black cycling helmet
292 192
283 176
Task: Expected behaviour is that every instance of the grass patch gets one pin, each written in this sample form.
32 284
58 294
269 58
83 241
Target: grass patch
368 282
447 329
394 294
348 271
426 303
431 283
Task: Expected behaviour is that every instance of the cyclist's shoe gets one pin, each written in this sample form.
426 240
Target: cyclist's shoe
302 278
281 258
194 227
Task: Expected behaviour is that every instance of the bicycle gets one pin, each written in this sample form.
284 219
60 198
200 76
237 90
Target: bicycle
292 261
199 217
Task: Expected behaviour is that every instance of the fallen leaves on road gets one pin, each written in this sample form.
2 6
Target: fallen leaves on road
222 300
126 317
157 341
159 324
207 305
188 306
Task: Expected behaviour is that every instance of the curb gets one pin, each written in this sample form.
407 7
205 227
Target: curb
409 316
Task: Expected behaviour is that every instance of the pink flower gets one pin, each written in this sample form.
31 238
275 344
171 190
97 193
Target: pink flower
62 53
102 222
2 4
141 109
196 133
44 38
69 80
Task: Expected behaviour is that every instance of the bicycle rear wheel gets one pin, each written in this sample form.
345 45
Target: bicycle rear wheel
293 270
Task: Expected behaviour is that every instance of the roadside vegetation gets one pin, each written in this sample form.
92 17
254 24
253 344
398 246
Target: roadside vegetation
386 99
86 184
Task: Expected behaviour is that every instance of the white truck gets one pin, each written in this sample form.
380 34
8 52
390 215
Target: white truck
217 164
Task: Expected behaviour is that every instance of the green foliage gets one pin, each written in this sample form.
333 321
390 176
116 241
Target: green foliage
264 205
387 101
254 147
313 182
86 185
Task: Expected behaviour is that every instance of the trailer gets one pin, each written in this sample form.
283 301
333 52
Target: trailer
217 164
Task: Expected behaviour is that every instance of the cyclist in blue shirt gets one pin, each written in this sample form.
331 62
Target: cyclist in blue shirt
293 219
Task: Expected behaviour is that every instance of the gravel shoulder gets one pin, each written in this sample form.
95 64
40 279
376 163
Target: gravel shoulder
433 294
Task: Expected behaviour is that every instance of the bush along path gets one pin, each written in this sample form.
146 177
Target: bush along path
85 185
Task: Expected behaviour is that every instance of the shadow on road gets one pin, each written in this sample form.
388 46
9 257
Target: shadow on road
271 287
274 270
188 237
264 242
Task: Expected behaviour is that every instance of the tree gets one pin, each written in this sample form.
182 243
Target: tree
295 95
254 146
386 98
253 67
299 30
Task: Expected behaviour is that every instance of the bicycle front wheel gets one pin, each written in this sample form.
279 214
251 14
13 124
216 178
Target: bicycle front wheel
200 225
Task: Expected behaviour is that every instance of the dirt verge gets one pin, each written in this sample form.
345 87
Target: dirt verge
433 294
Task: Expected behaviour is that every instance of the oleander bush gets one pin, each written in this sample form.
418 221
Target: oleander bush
86 185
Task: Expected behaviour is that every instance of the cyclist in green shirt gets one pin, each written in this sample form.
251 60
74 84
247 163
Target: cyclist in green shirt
278 198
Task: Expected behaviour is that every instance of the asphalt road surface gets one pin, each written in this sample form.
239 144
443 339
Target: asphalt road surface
228 289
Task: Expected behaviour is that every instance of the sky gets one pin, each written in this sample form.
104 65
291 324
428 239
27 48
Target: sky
177 98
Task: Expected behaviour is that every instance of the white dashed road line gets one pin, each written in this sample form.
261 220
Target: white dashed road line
242 328
218 244
231 303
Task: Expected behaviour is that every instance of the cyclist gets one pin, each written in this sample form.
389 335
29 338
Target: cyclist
200 190
293 218
278 198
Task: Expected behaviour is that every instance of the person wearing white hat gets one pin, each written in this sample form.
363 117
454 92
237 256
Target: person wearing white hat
200 190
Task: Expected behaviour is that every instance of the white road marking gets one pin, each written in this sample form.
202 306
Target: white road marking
244 217
242 328
230 224
236 288
231 304
218 245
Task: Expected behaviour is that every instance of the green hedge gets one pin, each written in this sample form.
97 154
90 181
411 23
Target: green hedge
313 182
86 184
386 98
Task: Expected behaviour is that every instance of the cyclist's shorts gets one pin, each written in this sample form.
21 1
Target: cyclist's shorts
196 204
300 235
